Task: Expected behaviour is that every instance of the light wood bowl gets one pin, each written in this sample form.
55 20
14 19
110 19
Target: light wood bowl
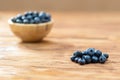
31 32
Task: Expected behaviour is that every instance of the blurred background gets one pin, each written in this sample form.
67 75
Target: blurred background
60 5
90 15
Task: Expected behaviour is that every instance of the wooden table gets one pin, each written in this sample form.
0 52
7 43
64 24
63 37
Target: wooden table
50 59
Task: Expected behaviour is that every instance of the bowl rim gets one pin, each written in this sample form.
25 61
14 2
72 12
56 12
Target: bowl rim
19 24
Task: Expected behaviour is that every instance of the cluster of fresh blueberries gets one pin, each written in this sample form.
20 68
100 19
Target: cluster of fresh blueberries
32 17
90 55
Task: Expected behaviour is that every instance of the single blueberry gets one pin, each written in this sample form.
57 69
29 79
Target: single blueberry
23 17
90 51
76 59
13 19
94 59
98 53
81 61
42 14
37 20
26 21
32 21
19 16
29 17
26 13
73 58
102 59
77 53
106 55
48 17
84 52
18 21
87 58
43 20
35 12
29 12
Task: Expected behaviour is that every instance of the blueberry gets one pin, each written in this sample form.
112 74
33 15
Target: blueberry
106 55
35 14
32 21
37 20
73 58
18 16
98 53
94 59
26 13
90 51
18 21
26 21
13 19
42 14
84 52
43 20
77 53
81 61
47 17
102 59
29 17
87 58
23 17
76 59
29 12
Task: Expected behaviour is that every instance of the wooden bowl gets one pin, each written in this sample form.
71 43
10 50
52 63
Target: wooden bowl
31 32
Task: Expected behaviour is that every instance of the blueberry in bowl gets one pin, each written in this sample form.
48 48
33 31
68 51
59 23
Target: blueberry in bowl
32 26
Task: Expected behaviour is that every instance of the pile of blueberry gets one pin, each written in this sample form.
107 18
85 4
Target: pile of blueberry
90 55
32 17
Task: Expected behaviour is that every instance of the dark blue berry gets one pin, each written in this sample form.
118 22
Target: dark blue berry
102 59
26 21
98 53
23 17
77 53
94 59
26 13
18 21
18 16
43 20
106 55
13 19
37 20
87 58
29 12
42 14
29 17
76 59
90 51
35 12
73 58
32 21
47 17
81 61
84 52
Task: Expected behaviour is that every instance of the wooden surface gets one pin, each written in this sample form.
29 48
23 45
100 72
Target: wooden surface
49 60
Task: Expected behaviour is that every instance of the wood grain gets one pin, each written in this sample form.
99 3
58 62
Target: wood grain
50 58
